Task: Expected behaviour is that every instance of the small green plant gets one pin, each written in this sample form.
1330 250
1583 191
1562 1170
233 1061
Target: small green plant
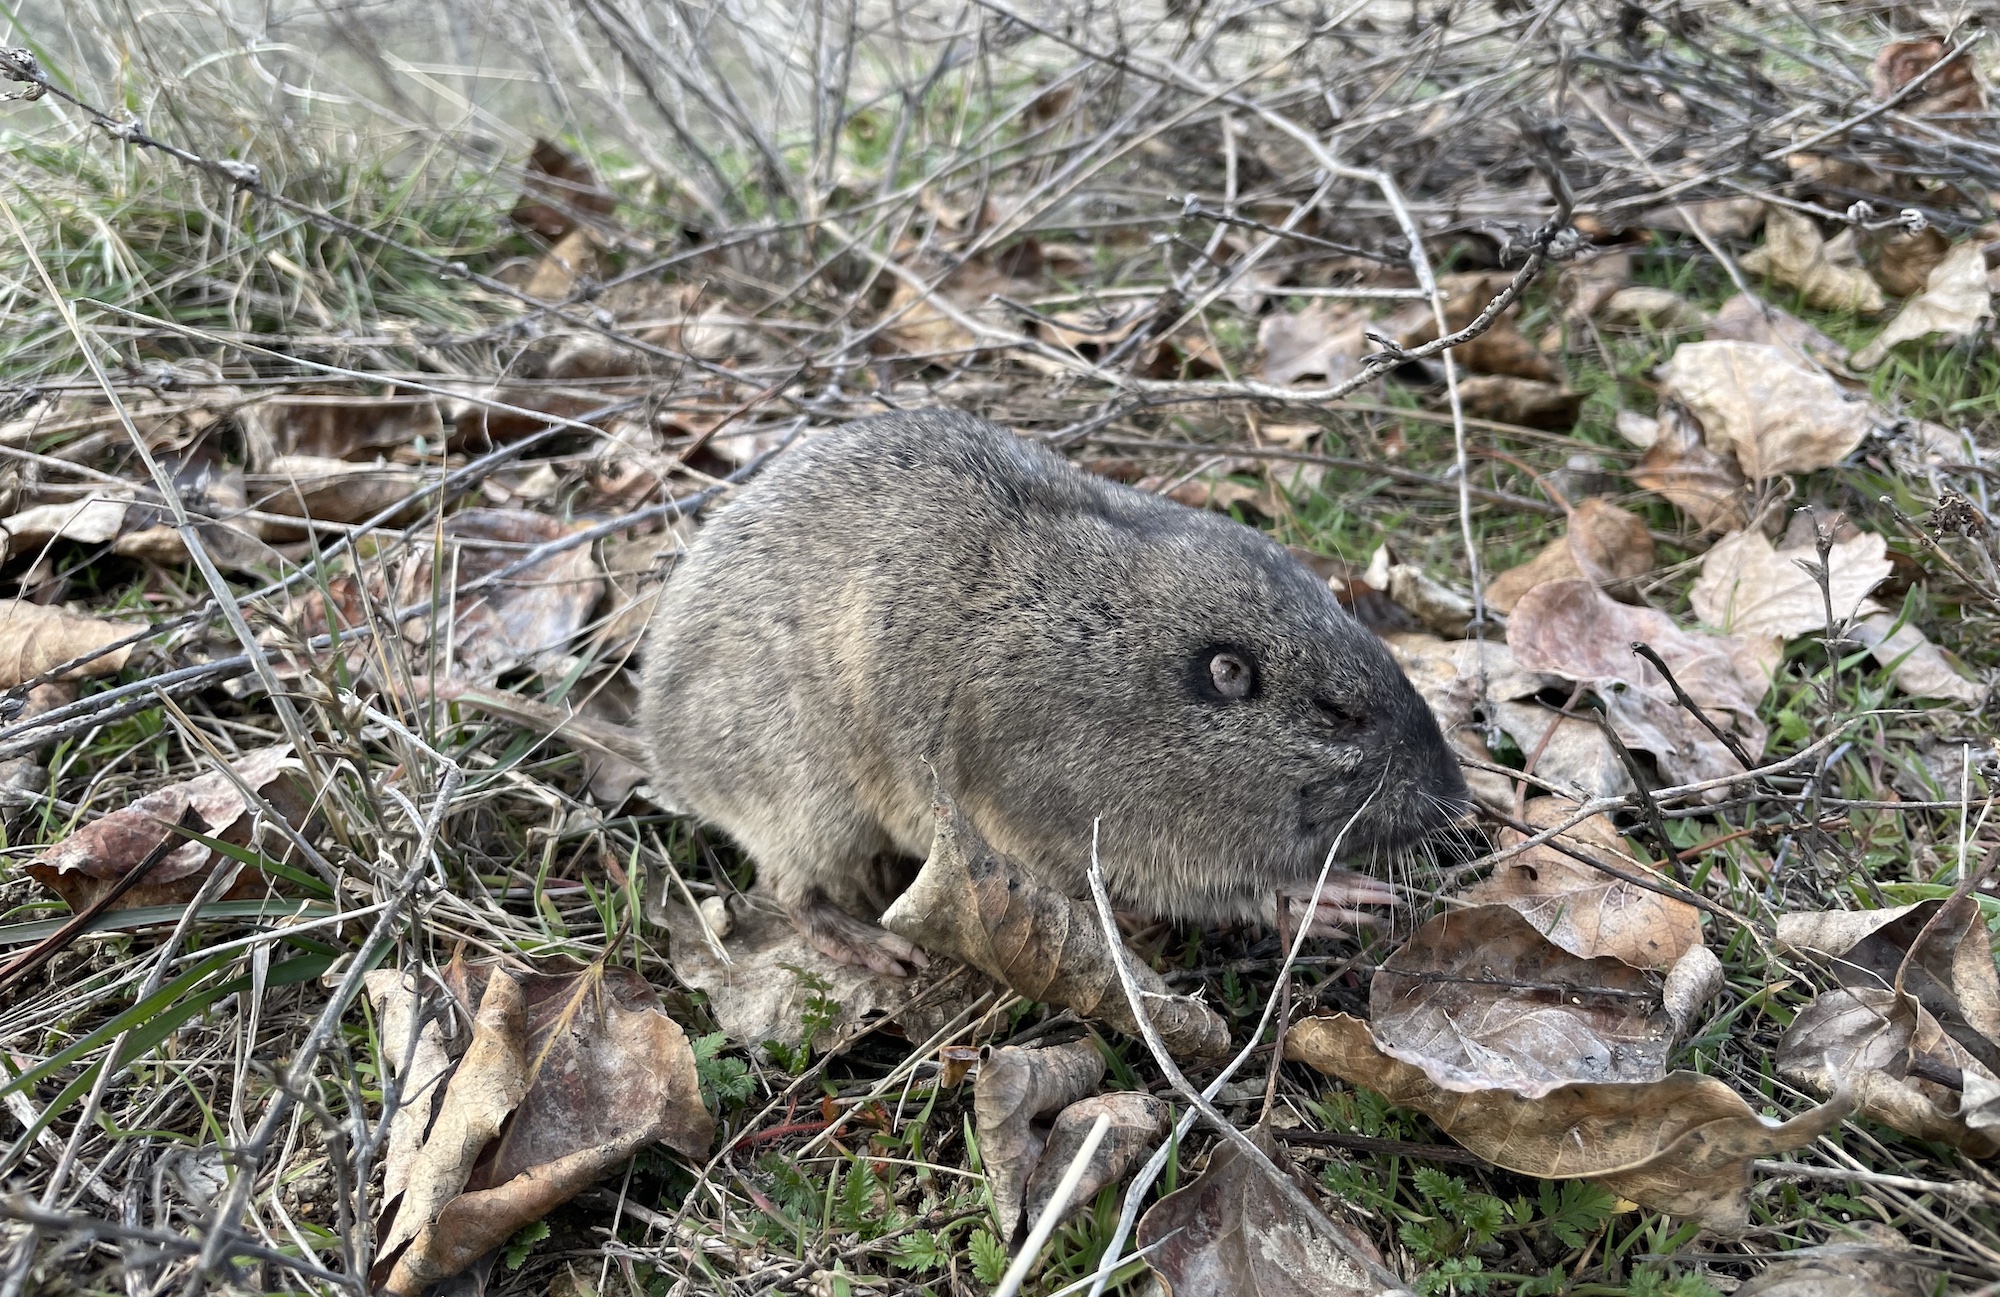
1454 1221
723 1080
988 1256
523 1243
821 1011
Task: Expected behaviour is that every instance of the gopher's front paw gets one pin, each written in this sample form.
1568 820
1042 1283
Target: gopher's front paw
1334 915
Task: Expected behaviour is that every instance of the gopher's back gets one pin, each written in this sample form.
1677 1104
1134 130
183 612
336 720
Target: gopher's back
806 653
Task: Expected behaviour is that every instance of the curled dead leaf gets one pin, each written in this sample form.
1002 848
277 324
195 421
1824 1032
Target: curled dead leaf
573 260
1956 302
1527 402
418 1061
1324 341
1016 1088
556 186
1589 912
980 907
1569 752
1766 408
1679 465
1436 606
1138 1123
1919 1008
1644 307
1481 1000
1748 588
1827 273
334 490
1232 1233
1573 630
1952 91
582 1069
1458 679
89 861
344 427
530 617
36 637
1681 1144
482 1093
1875 1261
764 977
1601 543
1744 318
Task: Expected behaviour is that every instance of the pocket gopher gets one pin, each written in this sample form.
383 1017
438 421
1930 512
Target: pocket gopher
924 599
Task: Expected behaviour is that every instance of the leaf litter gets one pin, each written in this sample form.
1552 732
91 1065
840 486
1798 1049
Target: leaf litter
635 393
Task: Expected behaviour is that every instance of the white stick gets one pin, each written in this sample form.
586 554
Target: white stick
1045 1224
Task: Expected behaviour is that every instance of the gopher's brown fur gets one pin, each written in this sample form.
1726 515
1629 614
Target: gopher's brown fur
926 600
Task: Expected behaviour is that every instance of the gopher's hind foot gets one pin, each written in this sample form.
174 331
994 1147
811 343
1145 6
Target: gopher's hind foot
847 940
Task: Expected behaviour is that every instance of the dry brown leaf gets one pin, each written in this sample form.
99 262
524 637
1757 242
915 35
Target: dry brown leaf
138 530
1865 1040
1918 666
342 427
608 1071
1955 304
1436 606
1138 1123
1902 260
1827 274
1878 1262
36 637
572 260
1921 1000
1951 91
1017 1087
530 617
977 906
1569 752
482 1093
1759 403
1092 331
1232 1233
1481 1000
635 567
335 490
1527 402
764 979
1502 351
921 328
1643 307
1744 318
1324 341
1573 630
1601 544
1585 285
557 185
418 1065
592 1071
89 861
1682 1144
1696 978
1725 219
1589 912
1678 464
1748 588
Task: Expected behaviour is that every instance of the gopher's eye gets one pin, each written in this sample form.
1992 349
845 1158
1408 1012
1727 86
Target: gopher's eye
1225 674
1347 715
